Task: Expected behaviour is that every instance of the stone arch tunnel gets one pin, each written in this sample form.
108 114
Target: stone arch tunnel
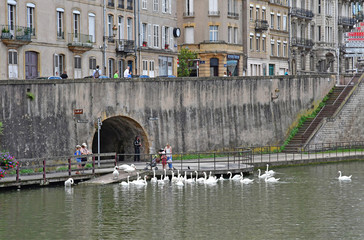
117 134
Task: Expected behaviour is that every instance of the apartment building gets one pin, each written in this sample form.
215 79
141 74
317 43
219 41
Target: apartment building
213 29
42 38
317 30
266 37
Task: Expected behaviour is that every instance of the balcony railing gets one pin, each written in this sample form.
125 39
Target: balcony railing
261 25
233 14
302 42
60 35
214 13
279 2
189 14
302 13
79 40
13 32
346 21
125 46
359 16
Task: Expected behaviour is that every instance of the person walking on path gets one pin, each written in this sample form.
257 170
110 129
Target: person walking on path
78 152
137 145
97 72
127 72
116 74
163 157
168 151
84 151
64 75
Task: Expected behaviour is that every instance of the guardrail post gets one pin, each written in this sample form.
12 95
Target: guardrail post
69 167
44 171
93 165
17 172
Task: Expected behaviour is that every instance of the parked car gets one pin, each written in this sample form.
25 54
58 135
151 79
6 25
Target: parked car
167 76
54 77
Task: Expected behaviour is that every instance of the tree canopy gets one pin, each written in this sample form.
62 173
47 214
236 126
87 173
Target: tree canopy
185 58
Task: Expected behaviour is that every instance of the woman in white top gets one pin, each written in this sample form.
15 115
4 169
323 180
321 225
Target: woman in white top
168 151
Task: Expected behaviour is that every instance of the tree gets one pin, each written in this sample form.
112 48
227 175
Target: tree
185 58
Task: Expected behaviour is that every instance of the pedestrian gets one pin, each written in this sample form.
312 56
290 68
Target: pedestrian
137 145
127 72
168 151
97 72
78 152
116 74
163 158
84 151
64 75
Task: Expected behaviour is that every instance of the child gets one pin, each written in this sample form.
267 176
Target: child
78 152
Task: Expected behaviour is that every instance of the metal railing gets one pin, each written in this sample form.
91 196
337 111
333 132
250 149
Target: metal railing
302 13
302 42
14 32
79 39
261 24
214 13
347 21
233 14
124 45
189 14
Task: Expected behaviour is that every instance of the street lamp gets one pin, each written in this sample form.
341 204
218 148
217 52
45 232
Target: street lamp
99 123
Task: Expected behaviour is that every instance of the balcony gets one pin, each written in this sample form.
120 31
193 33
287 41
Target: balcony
261 25
302 42
15 36
302 13
233 15
188 14
125 46
214 13
346 21
79 43
359 17
279 2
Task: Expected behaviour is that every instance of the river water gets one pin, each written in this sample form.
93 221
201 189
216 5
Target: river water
307 203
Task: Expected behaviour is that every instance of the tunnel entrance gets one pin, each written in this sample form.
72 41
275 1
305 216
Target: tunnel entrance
117 134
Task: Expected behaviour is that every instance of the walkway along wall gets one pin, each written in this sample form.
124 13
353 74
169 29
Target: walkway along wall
192 114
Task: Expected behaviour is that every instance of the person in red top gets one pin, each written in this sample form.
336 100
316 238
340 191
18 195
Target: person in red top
84 151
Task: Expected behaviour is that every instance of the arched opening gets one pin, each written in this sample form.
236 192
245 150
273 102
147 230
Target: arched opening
117 134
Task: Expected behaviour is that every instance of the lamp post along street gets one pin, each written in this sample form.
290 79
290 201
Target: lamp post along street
99 123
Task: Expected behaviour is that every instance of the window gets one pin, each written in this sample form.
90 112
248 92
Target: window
129 4
319 7
229 34
144 36
151 69
231 7
189 35
58 64
30 18
214 34
13 64
155 36
285 23
121 4
145 67
76 24
251 43
263 14
91 26
272 48
121 67
110 3
129 29
165 37
155 5
111 68
278 48
77 62
189 8
278 22
263 44
166 4
144 4
284 49
92 63
121 27
303 62
213 7
312 63
319 33
251 13
60 31
272 20
256 13
257 43
110 23
235 35
11 16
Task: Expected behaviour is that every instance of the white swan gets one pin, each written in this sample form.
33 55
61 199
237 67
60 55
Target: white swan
221 178
344 178
263 175
154 178
202 179
245 180
125 183
123 166
190 180
161 181
69 182
130 168
115 173
237 177
141 182
166 178
173 178
271 179
179 181
230 175
269 172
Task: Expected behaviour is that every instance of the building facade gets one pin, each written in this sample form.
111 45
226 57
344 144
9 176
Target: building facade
266 37
44 38
213 29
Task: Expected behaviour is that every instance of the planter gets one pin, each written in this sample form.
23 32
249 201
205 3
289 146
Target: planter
6 35
166 46
145 44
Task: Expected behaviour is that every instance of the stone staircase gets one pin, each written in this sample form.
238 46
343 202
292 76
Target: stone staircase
336 99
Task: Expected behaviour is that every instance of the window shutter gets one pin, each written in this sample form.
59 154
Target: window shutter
163 37
163 6
170 6
149 35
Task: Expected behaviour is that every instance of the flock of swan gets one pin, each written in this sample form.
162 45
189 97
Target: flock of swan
180 180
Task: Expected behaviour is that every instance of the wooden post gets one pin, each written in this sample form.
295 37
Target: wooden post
44 171
69 167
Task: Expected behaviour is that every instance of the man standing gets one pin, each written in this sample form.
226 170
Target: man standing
137 145
127 72
64 75
84 151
